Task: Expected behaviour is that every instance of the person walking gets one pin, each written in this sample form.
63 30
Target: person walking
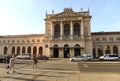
11 65
35 61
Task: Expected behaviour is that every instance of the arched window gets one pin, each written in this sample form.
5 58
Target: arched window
107 51
66 30
13 50
34 51
76 30
29 50
23 50
5 50
40 50
115 50
18 50
57 31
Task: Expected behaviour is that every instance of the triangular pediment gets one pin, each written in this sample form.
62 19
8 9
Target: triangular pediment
67 14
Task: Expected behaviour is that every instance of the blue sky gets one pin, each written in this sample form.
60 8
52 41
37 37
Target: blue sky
27 16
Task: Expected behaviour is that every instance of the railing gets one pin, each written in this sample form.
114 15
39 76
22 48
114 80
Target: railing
68 38
107 41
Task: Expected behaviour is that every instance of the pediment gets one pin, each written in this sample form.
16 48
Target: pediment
67 14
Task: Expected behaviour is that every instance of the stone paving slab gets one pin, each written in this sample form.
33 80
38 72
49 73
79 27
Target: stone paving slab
39 75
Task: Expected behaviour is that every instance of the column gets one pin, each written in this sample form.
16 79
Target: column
111 49
119 50
15 50
25 49
71 30
96 51
32 51
37 51
103 50
51 31
82 30
61 30
20 50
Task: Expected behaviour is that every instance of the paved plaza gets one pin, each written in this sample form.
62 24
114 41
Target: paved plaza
62 70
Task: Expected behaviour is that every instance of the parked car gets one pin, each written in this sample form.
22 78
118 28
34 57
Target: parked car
109 57
78 58
42 57
23 56
88 56
5 58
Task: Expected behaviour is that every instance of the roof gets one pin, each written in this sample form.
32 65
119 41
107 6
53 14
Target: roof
106 33
20 36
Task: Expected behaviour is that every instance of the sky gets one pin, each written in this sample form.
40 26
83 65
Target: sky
19 17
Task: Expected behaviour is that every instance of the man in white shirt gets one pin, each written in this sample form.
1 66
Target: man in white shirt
11 64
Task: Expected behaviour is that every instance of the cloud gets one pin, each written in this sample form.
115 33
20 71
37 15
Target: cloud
23 3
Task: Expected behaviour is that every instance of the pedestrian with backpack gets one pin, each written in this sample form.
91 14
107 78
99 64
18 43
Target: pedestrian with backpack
11 64
35 61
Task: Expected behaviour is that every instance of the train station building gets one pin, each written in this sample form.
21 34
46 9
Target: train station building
67 34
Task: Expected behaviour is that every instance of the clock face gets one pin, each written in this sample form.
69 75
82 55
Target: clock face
46 45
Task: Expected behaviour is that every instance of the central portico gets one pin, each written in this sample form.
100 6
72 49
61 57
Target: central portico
68 33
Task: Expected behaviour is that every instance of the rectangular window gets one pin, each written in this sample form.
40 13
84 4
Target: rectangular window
104 38
111 38
97 39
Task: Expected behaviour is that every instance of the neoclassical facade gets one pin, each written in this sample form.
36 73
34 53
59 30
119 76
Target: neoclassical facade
106 43
67 34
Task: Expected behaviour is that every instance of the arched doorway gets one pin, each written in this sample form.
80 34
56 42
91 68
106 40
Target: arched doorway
77 50
23 50
40 50
55 51
13 50
29 51
115 50
18 50
34 51
66 51
5 50
107 51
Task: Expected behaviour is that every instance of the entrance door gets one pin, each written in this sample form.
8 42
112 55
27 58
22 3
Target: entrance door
77 50
66 51
56 52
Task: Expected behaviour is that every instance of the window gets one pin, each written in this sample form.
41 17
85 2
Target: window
8 41
111 38
104 38
13 41
57 31
76 30
28 40
38 40
4 41
18 40
33 40
118 39
22 40
66 30
97 39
